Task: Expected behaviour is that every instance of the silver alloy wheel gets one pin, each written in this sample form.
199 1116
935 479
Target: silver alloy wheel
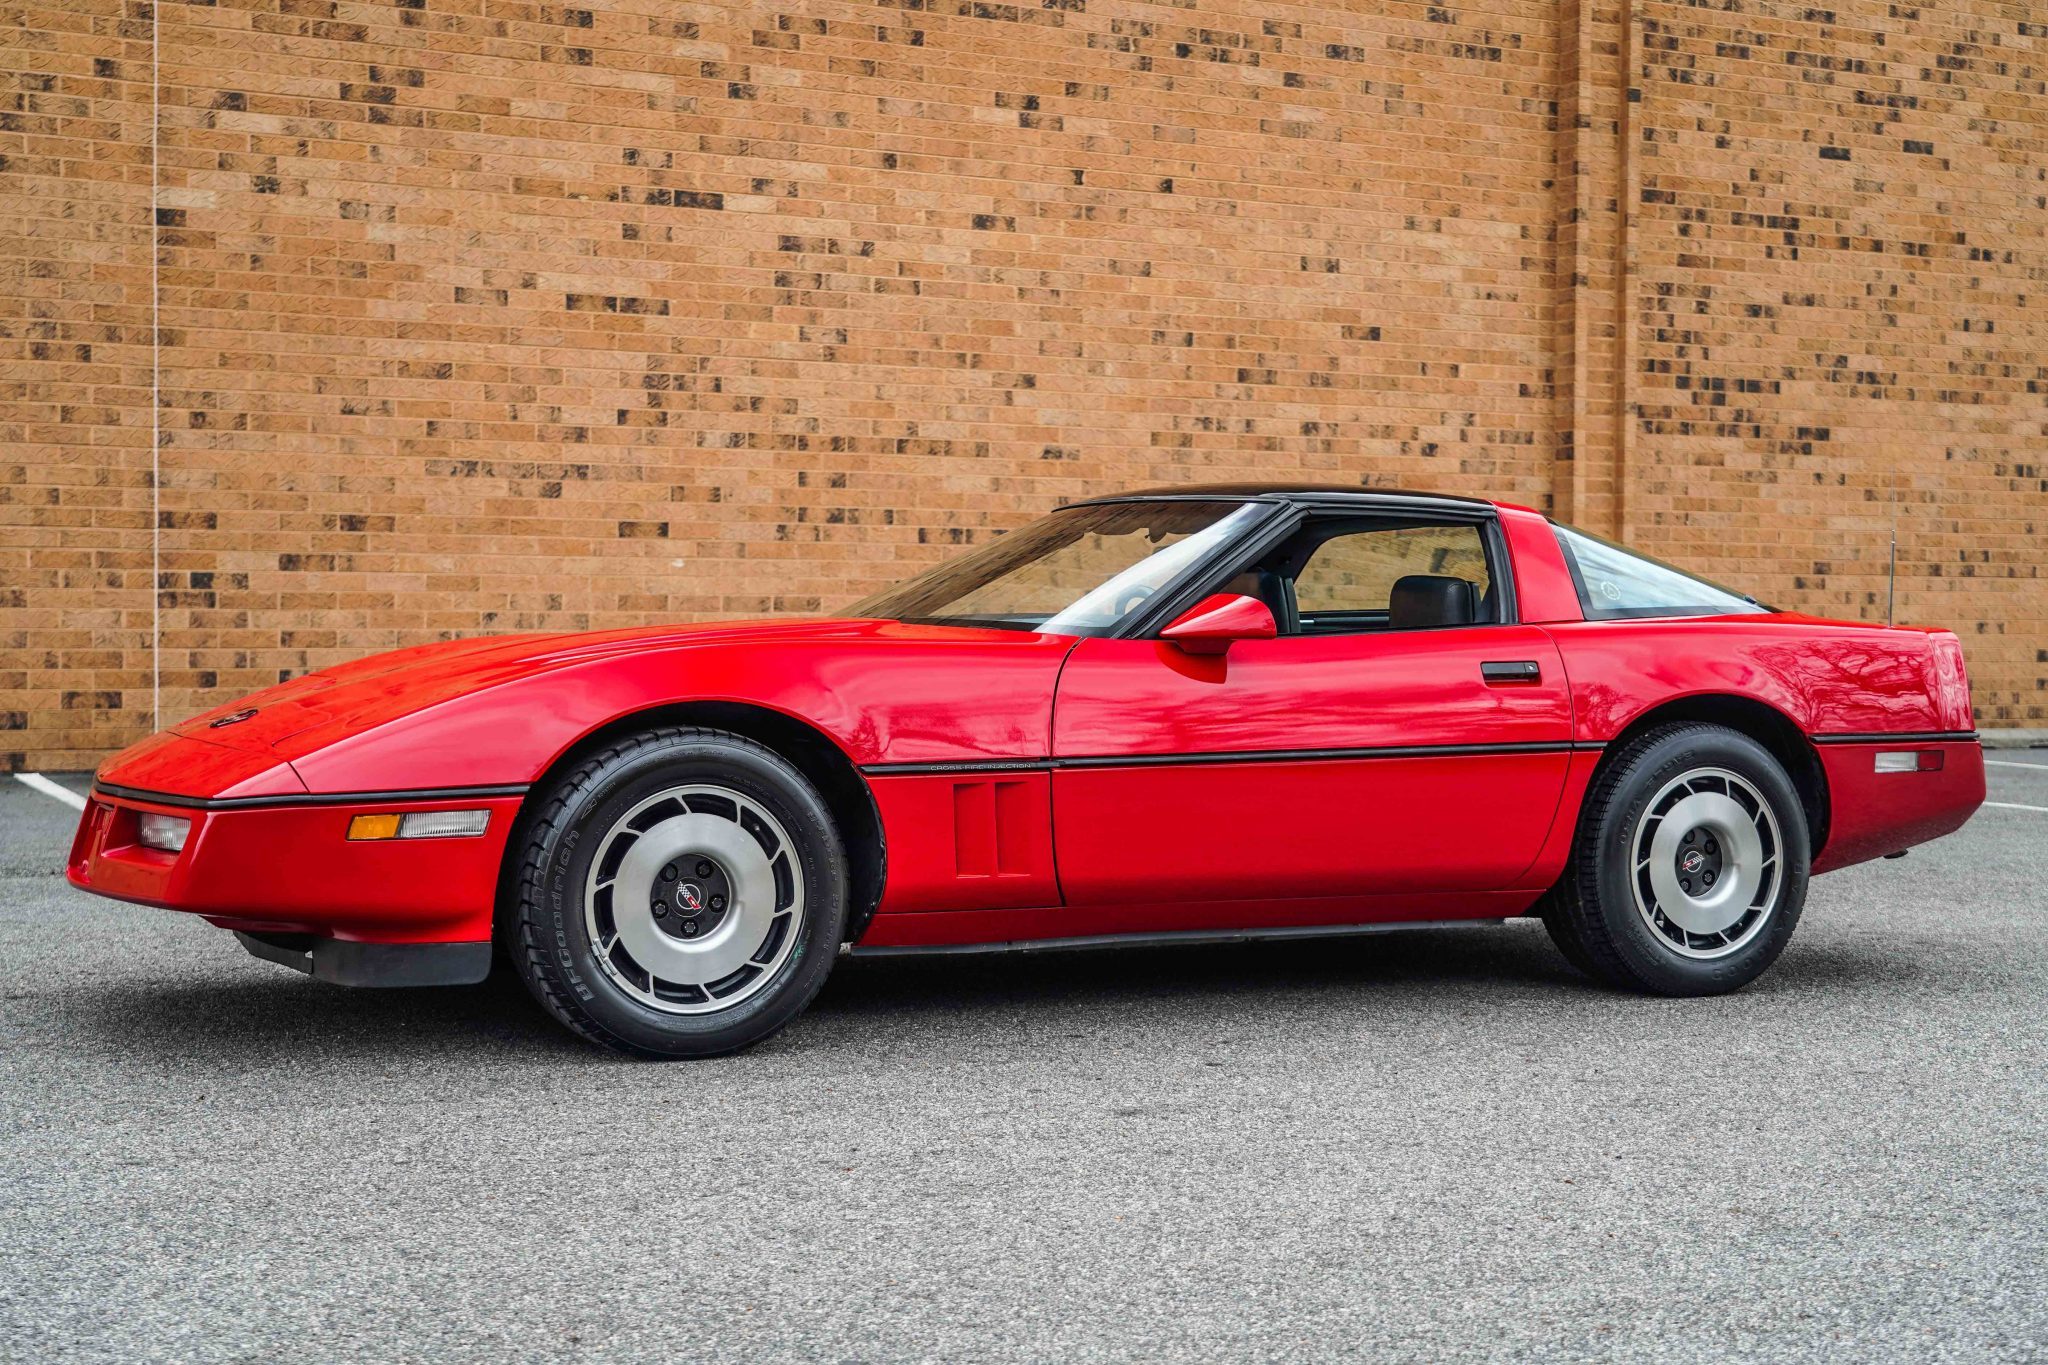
1707 863
693 899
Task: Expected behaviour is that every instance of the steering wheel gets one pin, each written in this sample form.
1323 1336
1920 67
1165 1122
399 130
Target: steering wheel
1130 598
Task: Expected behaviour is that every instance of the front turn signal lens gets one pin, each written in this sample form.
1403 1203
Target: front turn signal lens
165 833
421 824
1909 761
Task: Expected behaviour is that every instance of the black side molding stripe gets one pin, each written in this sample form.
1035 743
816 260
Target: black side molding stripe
1310 755
998 765
304 798
1916 737
1009 765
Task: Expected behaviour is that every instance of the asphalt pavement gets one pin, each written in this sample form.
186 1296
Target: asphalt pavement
1436 1145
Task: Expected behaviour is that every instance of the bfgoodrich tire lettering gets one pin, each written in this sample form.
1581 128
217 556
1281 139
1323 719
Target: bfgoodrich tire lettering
664 973
1690 866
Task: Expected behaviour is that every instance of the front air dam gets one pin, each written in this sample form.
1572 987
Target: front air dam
373 964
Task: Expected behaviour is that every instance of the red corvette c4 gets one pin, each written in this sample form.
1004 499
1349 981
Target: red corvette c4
1195 714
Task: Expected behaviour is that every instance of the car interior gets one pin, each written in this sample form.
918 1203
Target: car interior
1347 575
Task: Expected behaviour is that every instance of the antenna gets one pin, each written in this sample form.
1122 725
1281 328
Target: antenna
1891 579
1891 584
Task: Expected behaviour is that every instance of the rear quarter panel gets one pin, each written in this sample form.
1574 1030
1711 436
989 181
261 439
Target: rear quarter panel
1829 678
1847 687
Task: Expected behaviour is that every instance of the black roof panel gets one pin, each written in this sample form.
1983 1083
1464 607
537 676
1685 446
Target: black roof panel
1303 490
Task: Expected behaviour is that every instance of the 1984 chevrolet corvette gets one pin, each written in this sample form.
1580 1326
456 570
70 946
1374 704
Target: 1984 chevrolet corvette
1199 714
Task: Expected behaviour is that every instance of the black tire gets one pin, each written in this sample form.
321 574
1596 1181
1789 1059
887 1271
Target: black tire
544 925
1592 913
1551 910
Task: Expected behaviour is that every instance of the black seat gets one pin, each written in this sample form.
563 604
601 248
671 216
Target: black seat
1425 601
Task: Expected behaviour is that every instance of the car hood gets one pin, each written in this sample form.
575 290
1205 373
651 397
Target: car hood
356 696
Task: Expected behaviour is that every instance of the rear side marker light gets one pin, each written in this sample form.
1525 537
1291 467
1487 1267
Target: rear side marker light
421 824
164 832
1909 761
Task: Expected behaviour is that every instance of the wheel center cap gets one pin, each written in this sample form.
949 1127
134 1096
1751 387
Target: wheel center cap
1698 862
692 896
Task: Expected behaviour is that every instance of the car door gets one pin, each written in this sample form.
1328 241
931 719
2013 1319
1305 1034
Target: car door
1373 747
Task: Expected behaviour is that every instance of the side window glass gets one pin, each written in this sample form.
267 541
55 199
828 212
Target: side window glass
1396 578
1617 584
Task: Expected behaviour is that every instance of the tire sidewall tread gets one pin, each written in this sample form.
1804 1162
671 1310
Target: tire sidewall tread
543 925
1592 912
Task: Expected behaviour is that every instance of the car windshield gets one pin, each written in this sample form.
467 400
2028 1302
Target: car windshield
1079 571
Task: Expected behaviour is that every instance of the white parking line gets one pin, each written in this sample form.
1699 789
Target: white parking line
49 788
2014 805
2009 763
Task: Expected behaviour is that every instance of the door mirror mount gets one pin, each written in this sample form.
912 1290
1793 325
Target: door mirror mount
1216 622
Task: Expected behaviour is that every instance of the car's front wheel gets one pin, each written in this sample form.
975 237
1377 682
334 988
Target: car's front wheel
1690 867
681 893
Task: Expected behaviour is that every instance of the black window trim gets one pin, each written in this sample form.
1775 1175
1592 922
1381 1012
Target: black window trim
1164 607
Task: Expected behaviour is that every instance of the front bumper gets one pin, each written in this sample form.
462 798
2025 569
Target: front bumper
286 866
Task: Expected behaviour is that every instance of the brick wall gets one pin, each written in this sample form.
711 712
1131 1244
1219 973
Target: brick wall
491 316
74 380
1837 297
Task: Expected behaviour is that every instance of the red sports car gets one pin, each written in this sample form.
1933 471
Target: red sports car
1189 715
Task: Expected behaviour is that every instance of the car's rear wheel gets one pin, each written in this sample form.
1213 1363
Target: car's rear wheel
1690 866
681 893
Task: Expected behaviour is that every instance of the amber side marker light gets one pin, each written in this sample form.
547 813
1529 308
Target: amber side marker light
1909 761
421 824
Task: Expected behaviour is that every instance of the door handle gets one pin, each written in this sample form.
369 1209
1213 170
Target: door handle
1511 671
